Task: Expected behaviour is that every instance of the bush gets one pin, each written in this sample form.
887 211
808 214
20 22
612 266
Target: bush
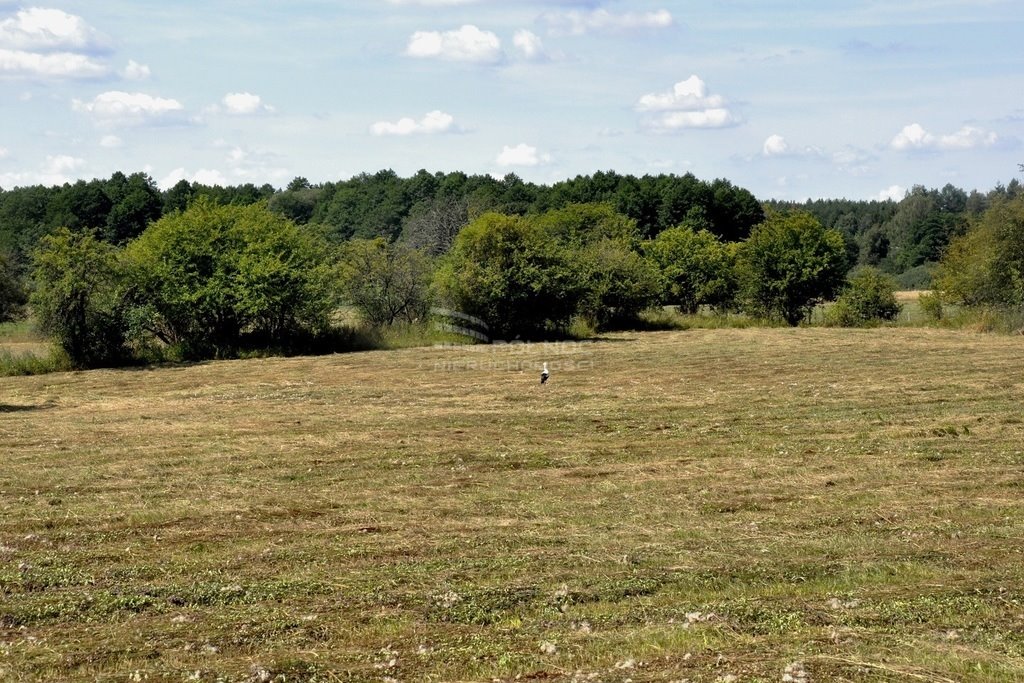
931 305
985 267
386 282
12 294
212 280
696 269
869 298
620 284
77 298
513 275
790 264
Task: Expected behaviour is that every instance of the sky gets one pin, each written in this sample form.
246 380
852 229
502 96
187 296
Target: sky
857 99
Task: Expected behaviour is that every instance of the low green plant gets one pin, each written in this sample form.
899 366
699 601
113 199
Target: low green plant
868 299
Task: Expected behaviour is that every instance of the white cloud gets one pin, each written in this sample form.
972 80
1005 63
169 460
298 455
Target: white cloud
465 44
778 146
135 71
893 192
522 155
244 103
691 94
19 63
117 107
56 170
774 146
915 137
255 165
432 3
578 22
968 137
530 45
39 29
111 142
687 105
434 122
4 152
709 118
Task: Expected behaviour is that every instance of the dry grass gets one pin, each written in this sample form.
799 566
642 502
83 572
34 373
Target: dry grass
671 506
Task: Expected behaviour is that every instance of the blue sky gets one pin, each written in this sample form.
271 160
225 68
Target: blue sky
857 99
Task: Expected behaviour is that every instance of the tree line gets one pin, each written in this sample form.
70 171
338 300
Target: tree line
121 272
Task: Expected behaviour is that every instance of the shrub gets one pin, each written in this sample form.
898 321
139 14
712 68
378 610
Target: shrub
386 282
789 264
513 275
212 280
695 267
869 298
77 297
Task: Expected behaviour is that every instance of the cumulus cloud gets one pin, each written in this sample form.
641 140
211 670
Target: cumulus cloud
37 29
687 105
20 63
434 122
579 22
56 170
117 107
778 146
529 45
244 103
50 44
691 94
892 193
522 155
135 71
465 44
775 146
915 137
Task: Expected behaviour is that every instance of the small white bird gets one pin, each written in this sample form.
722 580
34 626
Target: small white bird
544 374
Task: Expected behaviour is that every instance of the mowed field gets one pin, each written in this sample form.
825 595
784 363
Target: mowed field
707 505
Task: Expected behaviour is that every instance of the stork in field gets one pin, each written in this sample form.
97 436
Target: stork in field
544 374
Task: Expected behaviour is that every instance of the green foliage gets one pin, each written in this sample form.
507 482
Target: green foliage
868 298
14 365
789 264
577 225
917 278
620 283
513 275
77 297
931 305
386 281
695 267
214 279
12 293
986 266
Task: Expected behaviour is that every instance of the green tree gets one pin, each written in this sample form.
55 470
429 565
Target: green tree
12 294
386 281
214 279
620 283
789 264
77 297
135 202
513 275
869 297
696 268
986 266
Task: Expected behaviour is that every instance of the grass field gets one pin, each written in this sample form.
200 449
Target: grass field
708 505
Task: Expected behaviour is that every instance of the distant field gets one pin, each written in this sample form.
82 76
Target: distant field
20 338
707 505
